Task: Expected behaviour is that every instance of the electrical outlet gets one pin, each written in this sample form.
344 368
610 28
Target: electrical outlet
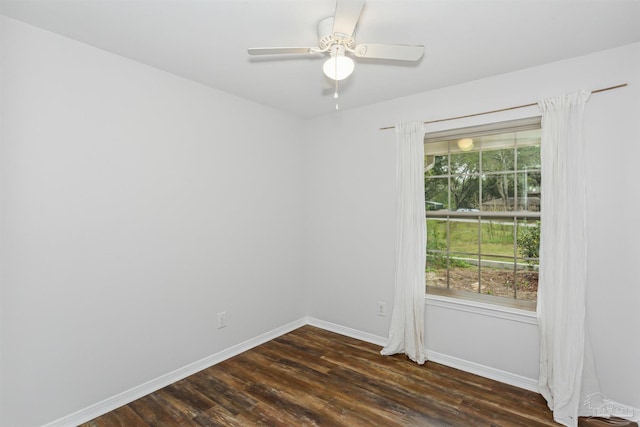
382 309
222 319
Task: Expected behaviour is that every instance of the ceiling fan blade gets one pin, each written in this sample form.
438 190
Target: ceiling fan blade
396 52
281 50
346 17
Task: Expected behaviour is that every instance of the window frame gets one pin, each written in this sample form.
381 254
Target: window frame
439 142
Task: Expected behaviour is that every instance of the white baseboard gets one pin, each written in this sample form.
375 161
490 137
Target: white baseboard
137 392
443 359
484 371
343 330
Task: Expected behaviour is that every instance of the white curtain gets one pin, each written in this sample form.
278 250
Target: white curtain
406 334
567 374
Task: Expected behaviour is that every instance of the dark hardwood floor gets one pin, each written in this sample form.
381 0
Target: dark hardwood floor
313 377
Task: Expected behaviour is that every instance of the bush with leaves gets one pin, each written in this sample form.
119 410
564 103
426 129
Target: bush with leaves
529 242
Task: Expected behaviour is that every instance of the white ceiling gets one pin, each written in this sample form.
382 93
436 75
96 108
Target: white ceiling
207 41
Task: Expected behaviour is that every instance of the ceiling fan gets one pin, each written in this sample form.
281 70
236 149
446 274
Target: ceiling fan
336 38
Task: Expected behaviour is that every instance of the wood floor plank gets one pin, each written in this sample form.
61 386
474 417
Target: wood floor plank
121 417
224 390
312 377
186 399
155 411
338 396
444 408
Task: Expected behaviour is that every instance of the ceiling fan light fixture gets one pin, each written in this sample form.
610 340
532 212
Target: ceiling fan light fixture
338 66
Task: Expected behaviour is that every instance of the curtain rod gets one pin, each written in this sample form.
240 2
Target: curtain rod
504 109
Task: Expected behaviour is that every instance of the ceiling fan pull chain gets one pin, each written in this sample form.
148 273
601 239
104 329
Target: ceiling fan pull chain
335 94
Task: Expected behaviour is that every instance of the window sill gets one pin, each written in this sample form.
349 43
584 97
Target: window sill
484 309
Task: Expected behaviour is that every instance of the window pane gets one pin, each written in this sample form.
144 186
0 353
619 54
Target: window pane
436 273
496 142
465 192
528 241
497 278
435 193
463 235
497 240
437 264
437 235
465 163
498 192
528 137
498 160
463 272
529 191
529 158
527 283
436 164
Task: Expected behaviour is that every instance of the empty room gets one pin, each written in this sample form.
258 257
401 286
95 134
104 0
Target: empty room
319 212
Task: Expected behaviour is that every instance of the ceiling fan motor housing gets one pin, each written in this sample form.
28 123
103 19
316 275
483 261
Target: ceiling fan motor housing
327 38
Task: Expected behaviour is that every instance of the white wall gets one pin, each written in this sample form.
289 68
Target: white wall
135 206
351 206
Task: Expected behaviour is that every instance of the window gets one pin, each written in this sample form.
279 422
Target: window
482 193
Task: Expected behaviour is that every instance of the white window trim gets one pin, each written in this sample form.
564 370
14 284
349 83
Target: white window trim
484 309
